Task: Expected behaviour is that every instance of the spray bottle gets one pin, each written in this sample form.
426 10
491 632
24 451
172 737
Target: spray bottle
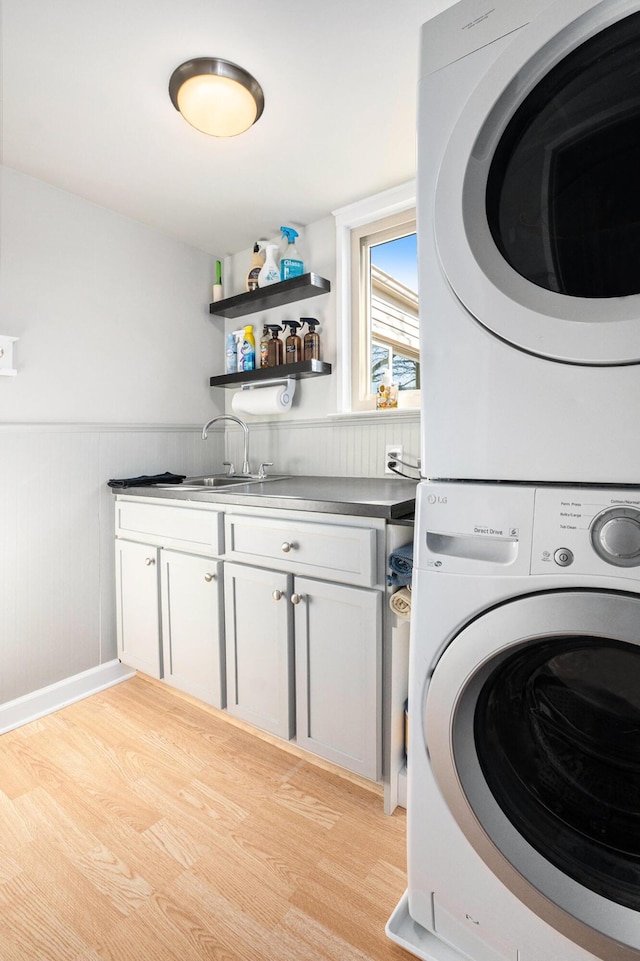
293 344
291 264
274 348
311 341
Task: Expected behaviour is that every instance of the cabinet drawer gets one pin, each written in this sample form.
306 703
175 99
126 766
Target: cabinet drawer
183 528
332 551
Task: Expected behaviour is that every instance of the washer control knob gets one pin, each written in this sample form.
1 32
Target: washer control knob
615 535
563 557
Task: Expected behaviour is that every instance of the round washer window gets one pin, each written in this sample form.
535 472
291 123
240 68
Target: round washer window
557 733
563 192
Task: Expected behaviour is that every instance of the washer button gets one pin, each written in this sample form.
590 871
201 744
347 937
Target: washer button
563 557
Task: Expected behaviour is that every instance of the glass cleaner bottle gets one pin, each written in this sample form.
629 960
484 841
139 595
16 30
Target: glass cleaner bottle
291 264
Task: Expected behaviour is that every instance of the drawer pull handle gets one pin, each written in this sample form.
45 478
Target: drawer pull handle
209 577
277 595
149 561
296 598
286 547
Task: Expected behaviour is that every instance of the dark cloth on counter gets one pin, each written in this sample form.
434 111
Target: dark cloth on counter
401 565
148 480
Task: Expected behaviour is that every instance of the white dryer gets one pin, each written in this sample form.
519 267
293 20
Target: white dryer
529 240
524 726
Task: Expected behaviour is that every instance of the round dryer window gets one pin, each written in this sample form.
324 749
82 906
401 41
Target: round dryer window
538 199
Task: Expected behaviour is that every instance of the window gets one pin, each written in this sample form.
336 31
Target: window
377 279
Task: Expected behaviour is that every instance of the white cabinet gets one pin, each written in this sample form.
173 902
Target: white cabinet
138 606
276 615
169 595
338 684
259 648
192 625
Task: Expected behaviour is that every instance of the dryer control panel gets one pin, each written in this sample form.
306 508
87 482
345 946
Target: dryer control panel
587 530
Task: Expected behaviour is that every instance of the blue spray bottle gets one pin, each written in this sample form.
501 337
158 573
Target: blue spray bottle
291 264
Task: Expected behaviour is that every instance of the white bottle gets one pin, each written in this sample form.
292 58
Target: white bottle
270 273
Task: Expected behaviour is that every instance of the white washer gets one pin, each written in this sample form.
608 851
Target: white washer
529 231
524 725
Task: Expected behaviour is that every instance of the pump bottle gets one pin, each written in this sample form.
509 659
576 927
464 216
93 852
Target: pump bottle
256 267
293 344
270 272
291 264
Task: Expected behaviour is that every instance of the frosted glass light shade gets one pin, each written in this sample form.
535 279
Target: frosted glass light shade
216 96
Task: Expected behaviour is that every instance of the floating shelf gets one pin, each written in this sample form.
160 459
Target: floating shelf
304 368
275 295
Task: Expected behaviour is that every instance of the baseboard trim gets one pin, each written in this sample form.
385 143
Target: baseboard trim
48 699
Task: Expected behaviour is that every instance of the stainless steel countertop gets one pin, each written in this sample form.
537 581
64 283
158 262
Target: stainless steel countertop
390 498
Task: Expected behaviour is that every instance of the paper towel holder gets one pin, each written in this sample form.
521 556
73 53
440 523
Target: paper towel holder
287 382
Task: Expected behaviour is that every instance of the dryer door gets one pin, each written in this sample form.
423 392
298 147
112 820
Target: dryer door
537 208
532 724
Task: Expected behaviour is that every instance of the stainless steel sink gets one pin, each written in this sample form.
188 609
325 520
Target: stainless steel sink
207 482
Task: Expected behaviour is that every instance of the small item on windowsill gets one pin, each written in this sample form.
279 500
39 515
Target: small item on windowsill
387 396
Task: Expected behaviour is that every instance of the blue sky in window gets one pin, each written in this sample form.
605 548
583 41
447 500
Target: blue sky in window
399 258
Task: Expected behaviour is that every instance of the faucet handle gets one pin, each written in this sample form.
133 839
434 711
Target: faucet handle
232 470
262 470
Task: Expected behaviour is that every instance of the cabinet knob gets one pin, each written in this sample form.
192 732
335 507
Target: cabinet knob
209 577
286 547
277 595
296 598
149 561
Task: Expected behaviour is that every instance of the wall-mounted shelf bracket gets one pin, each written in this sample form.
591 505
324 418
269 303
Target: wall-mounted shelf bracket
6 356
288 383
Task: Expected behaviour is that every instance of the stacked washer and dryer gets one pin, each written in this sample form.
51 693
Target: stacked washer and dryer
524 688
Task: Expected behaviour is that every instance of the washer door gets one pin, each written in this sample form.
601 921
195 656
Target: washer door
537 208
532 725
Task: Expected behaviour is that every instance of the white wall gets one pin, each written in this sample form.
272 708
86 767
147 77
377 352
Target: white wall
115 351
112 316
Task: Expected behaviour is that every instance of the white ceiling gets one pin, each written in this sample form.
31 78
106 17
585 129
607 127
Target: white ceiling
85 107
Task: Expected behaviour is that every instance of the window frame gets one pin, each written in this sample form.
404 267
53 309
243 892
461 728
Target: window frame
368 218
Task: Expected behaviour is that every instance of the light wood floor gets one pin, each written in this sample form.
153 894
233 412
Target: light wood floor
138 826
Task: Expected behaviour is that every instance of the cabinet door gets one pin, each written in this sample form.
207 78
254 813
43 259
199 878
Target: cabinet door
259 647
338 680
191 591
138 606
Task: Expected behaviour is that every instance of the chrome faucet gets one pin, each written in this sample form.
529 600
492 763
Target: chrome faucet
245 457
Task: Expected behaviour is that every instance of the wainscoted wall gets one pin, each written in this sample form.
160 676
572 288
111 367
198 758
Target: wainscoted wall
347 445
57 609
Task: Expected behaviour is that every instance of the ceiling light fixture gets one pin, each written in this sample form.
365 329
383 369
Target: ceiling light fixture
216 96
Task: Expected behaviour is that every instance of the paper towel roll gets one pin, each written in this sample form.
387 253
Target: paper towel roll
263 400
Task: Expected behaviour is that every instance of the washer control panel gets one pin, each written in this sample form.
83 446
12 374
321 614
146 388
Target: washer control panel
586 531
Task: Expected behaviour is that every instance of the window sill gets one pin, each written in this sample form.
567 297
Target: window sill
396 413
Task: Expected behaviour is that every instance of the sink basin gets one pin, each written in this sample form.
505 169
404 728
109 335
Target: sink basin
209 482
